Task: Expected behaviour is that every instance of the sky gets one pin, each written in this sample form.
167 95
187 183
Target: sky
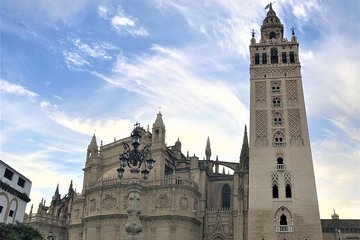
70 69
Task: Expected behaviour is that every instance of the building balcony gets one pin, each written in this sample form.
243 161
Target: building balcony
284 228
280 167
279 144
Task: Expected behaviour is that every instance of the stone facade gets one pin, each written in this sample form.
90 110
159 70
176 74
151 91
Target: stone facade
184 197
270 193
282 191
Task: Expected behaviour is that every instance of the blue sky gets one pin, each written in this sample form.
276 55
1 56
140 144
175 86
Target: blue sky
72 68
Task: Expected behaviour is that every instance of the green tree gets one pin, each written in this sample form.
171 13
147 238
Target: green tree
18 231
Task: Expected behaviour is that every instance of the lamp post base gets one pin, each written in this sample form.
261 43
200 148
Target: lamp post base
133 226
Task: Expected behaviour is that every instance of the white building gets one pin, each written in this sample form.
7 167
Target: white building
14 194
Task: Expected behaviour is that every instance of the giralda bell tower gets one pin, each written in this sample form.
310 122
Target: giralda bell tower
282 200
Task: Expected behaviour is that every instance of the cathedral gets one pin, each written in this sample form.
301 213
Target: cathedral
270 193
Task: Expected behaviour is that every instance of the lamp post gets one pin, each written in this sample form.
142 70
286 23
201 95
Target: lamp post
138 161
50 236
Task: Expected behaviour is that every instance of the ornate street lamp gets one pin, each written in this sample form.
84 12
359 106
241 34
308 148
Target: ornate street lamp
50 236
137 160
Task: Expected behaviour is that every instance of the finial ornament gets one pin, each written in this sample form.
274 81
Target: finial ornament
269 5
293 31
253 33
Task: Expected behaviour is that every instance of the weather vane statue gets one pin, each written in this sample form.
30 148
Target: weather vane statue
269 5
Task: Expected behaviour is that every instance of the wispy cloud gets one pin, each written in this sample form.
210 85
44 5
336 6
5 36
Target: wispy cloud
11 88
122 22
78 55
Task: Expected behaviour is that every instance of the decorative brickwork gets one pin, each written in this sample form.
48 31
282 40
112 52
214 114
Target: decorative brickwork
261 128
260 93
274 73
295 127
291 93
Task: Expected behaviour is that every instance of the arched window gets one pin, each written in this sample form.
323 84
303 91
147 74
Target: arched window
280 160
292 57
279 139
275 191
288 191
272 35
275 87
283 220
225 196
276 102
277 118
274 55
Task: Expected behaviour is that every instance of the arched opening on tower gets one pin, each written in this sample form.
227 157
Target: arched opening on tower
274 55
225 196
272 35
288 191
283 220
275 191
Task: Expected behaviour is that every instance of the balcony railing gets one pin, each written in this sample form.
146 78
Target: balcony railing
280 167
284 228
279 144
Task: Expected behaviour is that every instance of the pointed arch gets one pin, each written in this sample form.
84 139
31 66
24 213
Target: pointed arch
274 55
225 196
275 191
283 220
288 192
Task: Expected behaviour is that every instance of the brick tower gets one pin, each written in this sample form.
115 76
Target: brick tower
282 200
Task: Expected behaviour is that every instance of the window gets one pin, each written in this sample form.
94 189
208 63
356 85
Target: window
225 196
279 140
292 57
21 182
277 118
283 220
264 60
280 166
276 102
8 174
284 59
275 87
272 35
257 58
275 191
1 208
288 191
11 213
274 55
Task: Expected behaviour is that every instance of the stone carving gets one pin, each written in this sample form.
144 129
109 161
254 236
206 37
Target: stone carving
274 178
295 127
163 201
184 202
260 93
261 128
291 93
287 177
274 73
92 205
219 223
108 202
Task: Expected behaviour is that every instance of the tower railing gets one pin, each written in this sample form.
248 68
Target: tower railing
284 228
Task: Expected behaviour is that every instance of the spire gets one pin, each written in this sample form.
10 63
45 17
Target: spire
31 210
244 155
93 142
217 164
71 190
208 149
159 120
56 194
334 216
